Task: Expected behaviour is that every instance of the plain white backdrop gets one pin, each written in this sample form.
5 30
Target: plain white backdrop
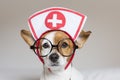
102 49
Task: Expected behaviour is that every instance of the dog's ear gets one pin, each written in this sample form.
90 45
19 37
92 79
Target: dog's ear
82 38
27 36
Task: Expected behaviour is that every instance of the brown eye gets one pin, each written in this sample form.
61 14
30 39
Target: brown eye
64 45
45 45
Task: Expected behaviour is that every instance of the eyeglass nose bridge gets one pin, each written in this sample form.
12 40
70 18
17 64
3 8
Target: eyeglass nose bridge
54 46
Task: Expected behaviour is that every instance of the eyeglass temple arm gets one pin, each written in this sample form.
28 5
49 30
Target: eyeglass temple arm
33 47
76 47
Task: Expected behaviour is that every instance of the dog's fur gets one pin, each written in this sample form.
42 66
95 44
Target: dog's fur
57 72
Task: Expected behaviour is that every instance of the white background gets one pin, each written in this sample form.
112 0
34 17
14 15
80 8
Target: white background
101 51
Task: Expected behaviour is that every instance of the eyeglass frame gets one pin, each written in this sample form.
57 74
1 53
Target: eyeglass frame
52 46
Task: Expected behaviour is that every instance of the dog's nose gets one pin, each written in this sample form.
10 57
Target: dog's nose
54 57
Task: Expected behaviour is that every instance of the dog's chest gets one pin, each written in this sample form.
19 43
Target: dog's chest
69 75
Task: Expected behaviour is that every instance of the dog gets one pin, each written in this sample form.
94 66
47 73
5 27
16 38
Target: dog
56 49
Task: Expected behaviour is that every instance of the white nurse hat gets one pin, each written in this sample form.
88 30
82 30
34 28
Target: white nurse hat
56 18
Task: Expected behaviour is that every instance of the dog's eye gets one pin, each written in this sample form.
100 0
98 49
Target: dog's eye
45 45
64 45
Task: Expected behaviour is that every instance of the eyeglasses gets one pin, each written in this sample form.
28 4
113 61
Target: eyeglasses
43 47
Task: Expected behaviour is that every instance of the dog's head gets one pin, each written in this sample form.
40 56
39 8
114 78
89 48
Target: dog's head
55 47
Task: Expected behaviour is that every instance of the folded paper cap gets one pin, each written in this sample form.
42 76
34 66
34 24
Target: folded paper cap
56 18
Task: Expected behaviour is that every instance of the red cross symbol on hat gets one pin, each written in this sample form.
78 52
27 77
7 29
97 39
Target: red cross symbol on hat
55 20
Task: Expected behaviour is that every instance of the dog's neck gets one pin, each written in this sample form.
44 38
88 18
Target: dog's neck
61 74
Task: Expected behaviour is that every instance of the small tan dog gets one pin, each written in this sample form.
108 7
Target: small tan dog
56 49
